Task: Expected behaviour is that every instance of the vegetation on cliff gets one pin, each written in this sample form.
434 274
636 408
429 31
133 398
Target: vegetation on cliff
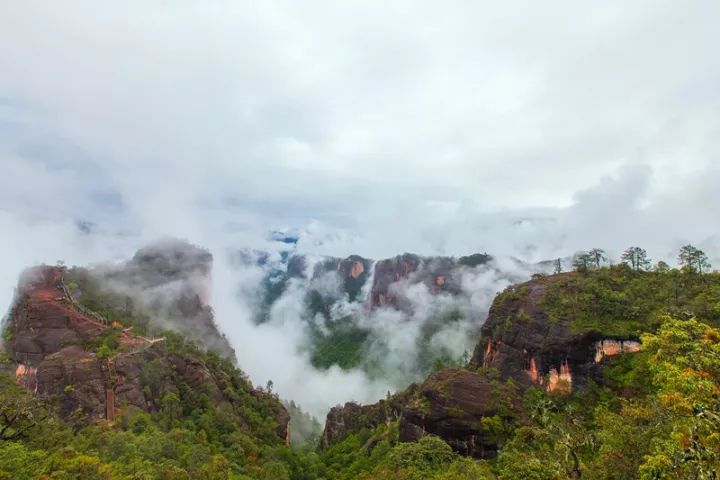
208 423
652 414
620 301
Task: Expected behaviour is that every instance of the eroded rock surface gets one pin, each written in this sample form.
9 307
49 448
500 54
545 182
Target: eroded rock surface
452 404
54 340
521 342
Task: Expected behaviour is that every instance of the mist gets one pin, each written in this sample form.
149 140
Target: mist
525 131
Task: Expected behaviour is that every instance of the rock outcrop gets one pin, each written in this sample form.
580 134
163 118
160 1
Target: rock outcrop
452 404
171 280
521 342
351 417
54 342
387 277
439 274
76 377
43 319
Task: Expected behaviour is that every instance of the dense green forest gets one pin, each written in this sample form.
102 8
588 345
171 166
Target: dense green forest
668 427
654 414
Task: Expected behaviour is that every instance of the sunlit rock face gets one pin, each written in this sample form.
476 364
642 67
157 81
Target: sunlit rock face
609 348
26 376
560 380
356 270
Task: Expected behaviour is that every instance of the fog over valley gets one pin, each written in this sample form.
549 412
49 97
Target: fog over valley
238 213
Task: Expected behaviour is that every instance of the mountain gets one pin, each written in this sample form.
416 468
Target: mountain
165 284
116 372
347 305
556 355
605 373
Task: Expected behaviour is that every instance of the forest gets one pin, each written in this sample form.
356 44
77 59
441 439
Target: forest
653 414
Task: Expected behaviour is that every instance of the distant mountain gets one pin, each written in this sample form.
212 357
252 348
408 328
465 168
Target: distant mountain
345 305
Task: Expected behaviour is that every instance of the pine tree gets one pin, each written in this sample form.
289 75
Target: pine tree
636 258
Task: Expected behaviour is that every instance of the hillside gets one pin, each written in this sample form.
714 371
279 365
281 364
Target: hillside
607 373
112 396
611 373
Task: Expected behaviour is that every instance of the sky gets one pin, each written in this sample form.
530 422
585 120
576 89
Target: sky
516 128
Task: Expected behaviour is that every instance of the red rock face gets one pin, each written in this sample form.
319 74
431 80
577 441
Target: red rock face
50 334
44 320
437 273
609 348
522 343
533 371
560 381
388 272
77 378
26 377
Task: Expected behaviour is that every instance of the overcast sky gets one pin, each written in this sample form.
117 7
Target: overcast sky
527 128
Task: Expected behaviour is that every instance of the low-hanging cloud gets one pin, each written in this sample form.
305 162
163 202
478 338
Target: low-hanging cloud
400 342
516 129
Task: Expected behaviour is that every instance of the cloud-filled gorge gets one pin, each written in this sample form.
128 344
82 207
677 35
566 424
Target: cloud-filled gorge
313 325
528 132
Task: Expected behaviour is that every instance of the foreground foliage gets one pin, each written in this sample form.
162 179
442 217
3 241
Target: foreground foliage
655 415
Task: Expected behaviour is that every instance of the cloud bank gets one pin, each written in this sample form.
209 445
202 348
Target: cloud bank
521 130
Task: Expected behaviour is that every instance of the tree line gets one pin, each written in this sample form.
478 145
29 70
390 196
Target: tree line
690 258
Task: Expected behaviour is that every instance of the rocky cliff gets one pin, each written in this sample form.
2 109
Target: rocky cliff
458 405
94 369
522 344
170 281
522 341
381 281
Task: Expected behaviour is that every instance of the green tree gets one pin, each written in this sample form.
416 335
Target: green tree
20 412
17 461
636 258
171 409
582 262
425 457
68 464
597 257
694 259
552 446
685 364
662 267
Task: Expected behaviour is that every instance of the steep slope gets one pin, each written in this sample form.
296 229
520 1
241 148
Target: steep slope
95 369
347 306
521 341
168 283
555 333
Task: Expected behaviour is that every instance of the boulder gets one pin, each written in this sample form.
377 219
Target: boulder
452 404
75 377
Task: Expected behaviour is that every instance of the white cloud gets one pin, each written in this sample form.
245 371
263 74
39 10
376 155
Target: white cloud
514 128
